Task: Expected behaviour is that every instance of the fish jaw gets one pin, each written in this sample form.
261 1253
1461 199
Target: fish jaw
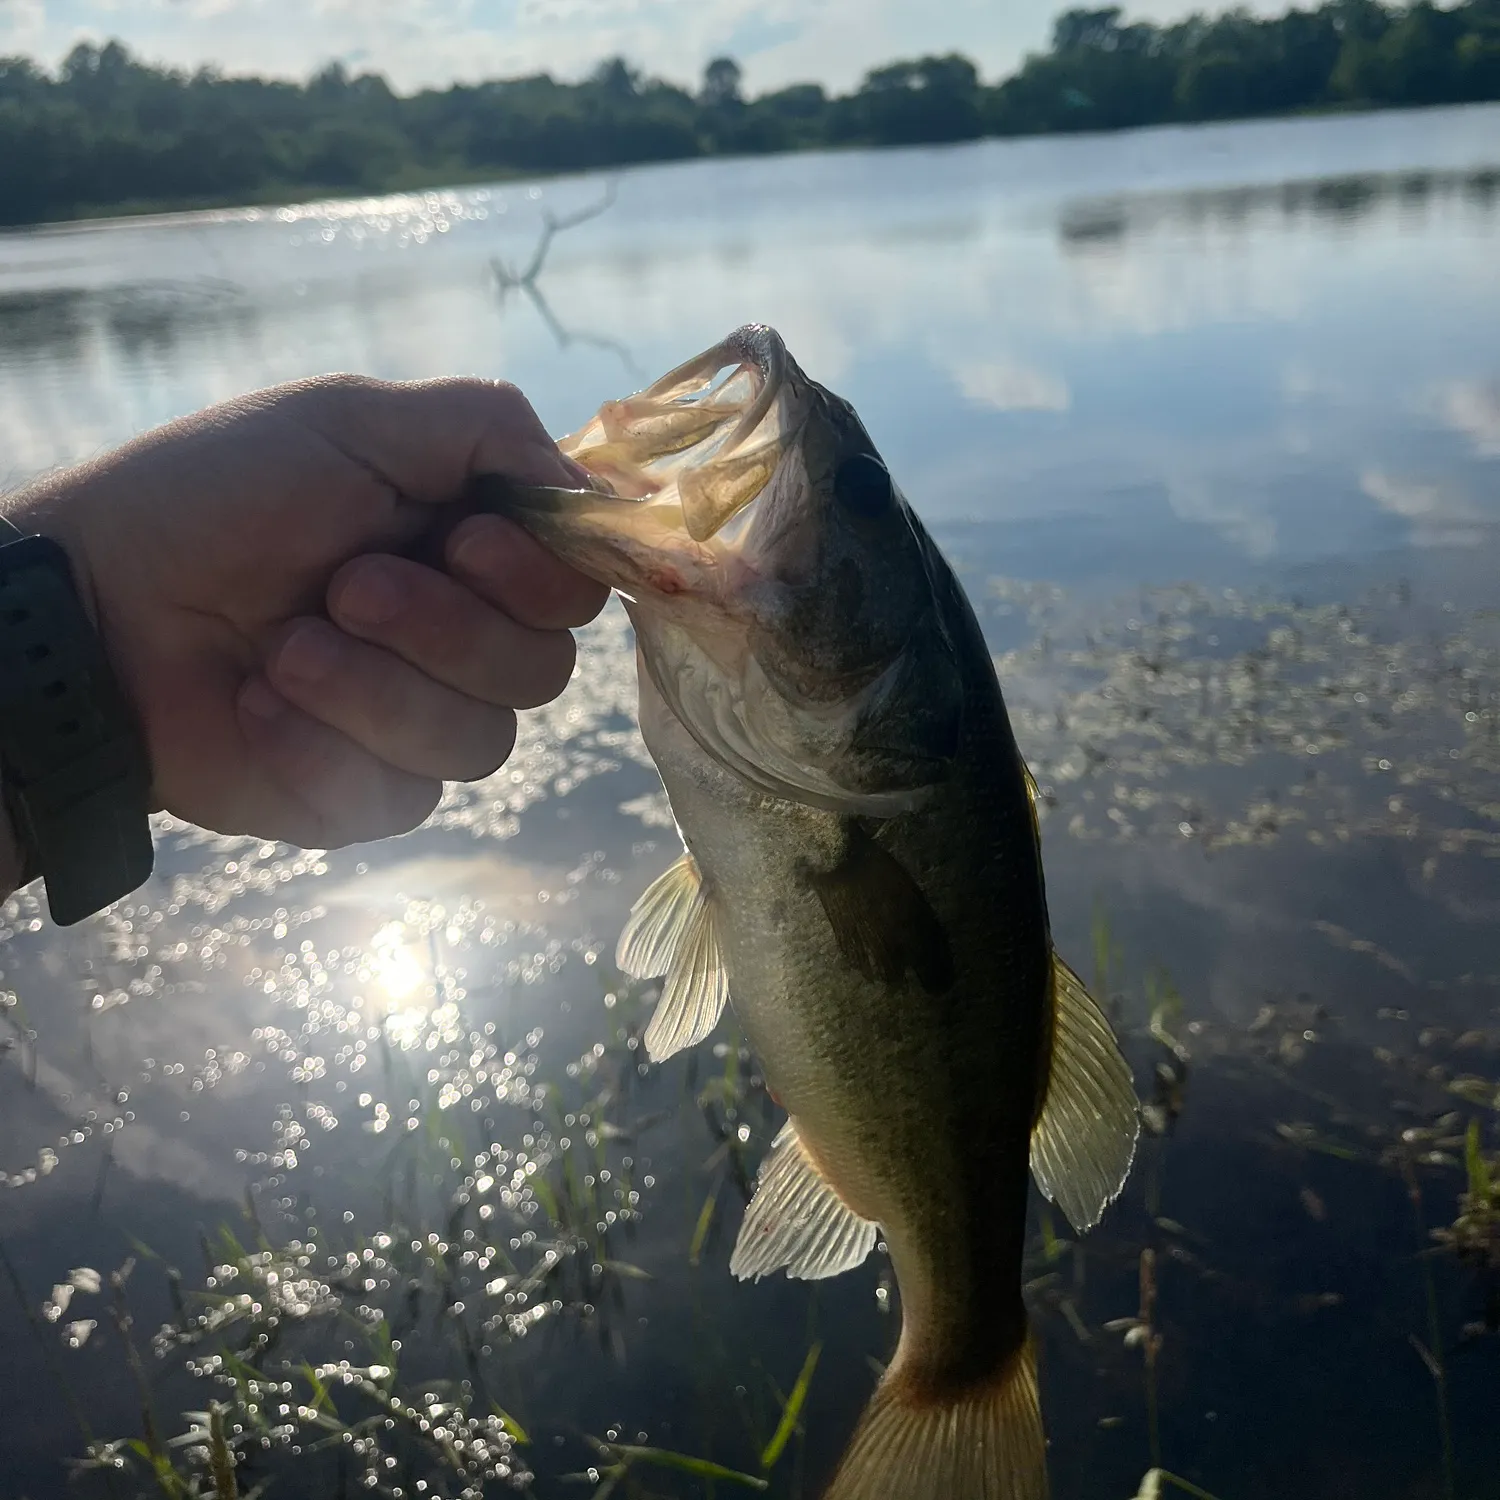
637 547
704 446
672 467
785 611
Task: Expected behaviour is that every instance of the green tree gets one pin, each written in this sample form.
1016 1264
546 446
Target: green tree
107 129
1087 31
615 77
929 99
721 83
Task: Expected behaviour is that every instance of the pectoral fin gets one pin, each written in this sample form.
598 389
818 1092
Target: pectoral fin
672 931
1084 1141
882 921
797 1220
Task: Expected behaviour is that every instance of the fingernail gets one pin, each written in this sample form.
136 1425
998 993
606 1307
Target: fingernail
373 596
584 479
311 652
482 552
261 701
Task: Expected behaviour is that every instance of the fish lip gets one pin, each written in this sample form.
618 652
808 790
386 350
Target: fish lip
648 547
709 434
754 346
602 535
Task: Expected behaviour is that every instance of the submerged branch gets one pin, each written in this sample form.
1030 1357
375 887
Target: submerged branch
566 336
508 280
552 226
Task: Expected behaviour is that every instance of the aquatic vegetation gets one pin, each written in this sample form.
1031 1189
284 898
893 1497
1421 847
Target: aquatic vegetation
1373 719
1157 1481
530 1238
429 1239
1474 1235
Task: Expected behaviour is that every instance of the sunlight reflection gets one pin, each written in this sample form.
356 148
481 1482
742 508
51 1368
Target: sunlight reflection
398 968
408 1000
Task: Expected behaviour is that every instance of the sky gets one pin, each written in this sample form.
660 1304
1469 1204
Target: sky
417 43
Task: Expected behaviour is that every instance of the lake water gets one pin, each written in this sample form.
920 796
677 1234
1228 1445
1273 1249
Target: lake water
1210 422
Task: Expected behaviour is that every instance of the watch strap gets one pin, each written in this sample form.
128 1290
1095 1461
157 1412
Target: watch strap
73 765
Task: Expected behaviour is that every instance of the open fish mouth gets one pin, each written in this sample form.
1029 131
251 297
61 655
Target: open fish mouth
676 463
737 503
706 439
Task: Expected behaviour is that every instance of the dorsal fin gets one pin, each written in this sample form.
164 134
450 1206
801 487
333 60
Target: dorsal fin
1084 1139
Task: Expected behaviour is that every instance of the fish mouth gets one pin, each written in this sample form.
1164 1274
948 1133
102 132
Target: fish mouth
675 465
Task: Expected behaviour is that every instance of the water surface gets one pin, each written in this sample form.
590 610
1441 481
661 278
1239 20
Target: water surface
1210 422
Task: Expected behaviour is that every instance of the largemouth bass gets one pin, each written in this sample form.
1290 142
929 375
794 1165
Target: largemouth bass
861 880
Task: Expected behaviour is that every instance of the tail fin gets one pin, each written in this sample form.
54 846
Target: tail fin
982 1443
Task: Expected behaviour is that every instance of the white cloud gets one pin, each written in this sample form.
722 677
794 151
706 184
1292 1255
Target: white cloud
1439 517
1007 385
418 42
1302 381
1236 510
1472 407
1402 497
23 26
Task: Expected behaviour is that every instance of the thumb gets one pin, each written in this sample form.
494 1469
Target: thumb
426 438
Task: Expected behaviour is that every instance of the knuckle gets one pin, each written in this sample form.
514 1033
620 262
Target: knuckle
453 639
340 405
317 756
510 404
444 642
482 395
390 703
340 386
449 387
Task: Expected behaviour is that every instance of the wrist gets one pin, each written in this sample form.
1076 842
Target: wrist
50 507
12 861
76 773
13 858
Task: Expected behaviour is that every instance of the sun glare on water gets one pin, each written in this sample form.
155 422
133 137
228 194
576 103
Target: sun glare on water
398 967
405 996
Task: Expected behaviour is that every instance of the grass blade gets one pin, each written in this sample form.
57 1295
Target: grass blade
791 1410
700 1230
703 1468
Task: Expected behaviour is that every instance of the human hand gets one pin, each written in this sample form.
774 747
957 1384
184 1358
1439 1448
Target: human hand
293 677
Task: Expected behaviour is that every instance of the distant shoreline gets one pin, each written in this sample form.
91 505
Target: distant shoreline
296 195
301 197
109 137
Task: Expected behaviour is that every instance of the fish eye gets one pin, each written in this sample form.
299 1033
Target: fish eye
862 485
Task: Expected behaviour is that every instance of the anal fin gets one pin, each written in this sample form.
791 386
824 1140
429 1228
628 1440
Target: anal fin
672 932
797 1220
1084 1140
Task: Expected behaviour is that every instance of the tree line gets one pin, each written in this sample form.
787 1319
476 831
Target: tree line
108 131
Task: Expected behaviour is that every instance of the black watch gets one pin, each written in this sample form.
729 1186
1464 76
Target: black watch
73 765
